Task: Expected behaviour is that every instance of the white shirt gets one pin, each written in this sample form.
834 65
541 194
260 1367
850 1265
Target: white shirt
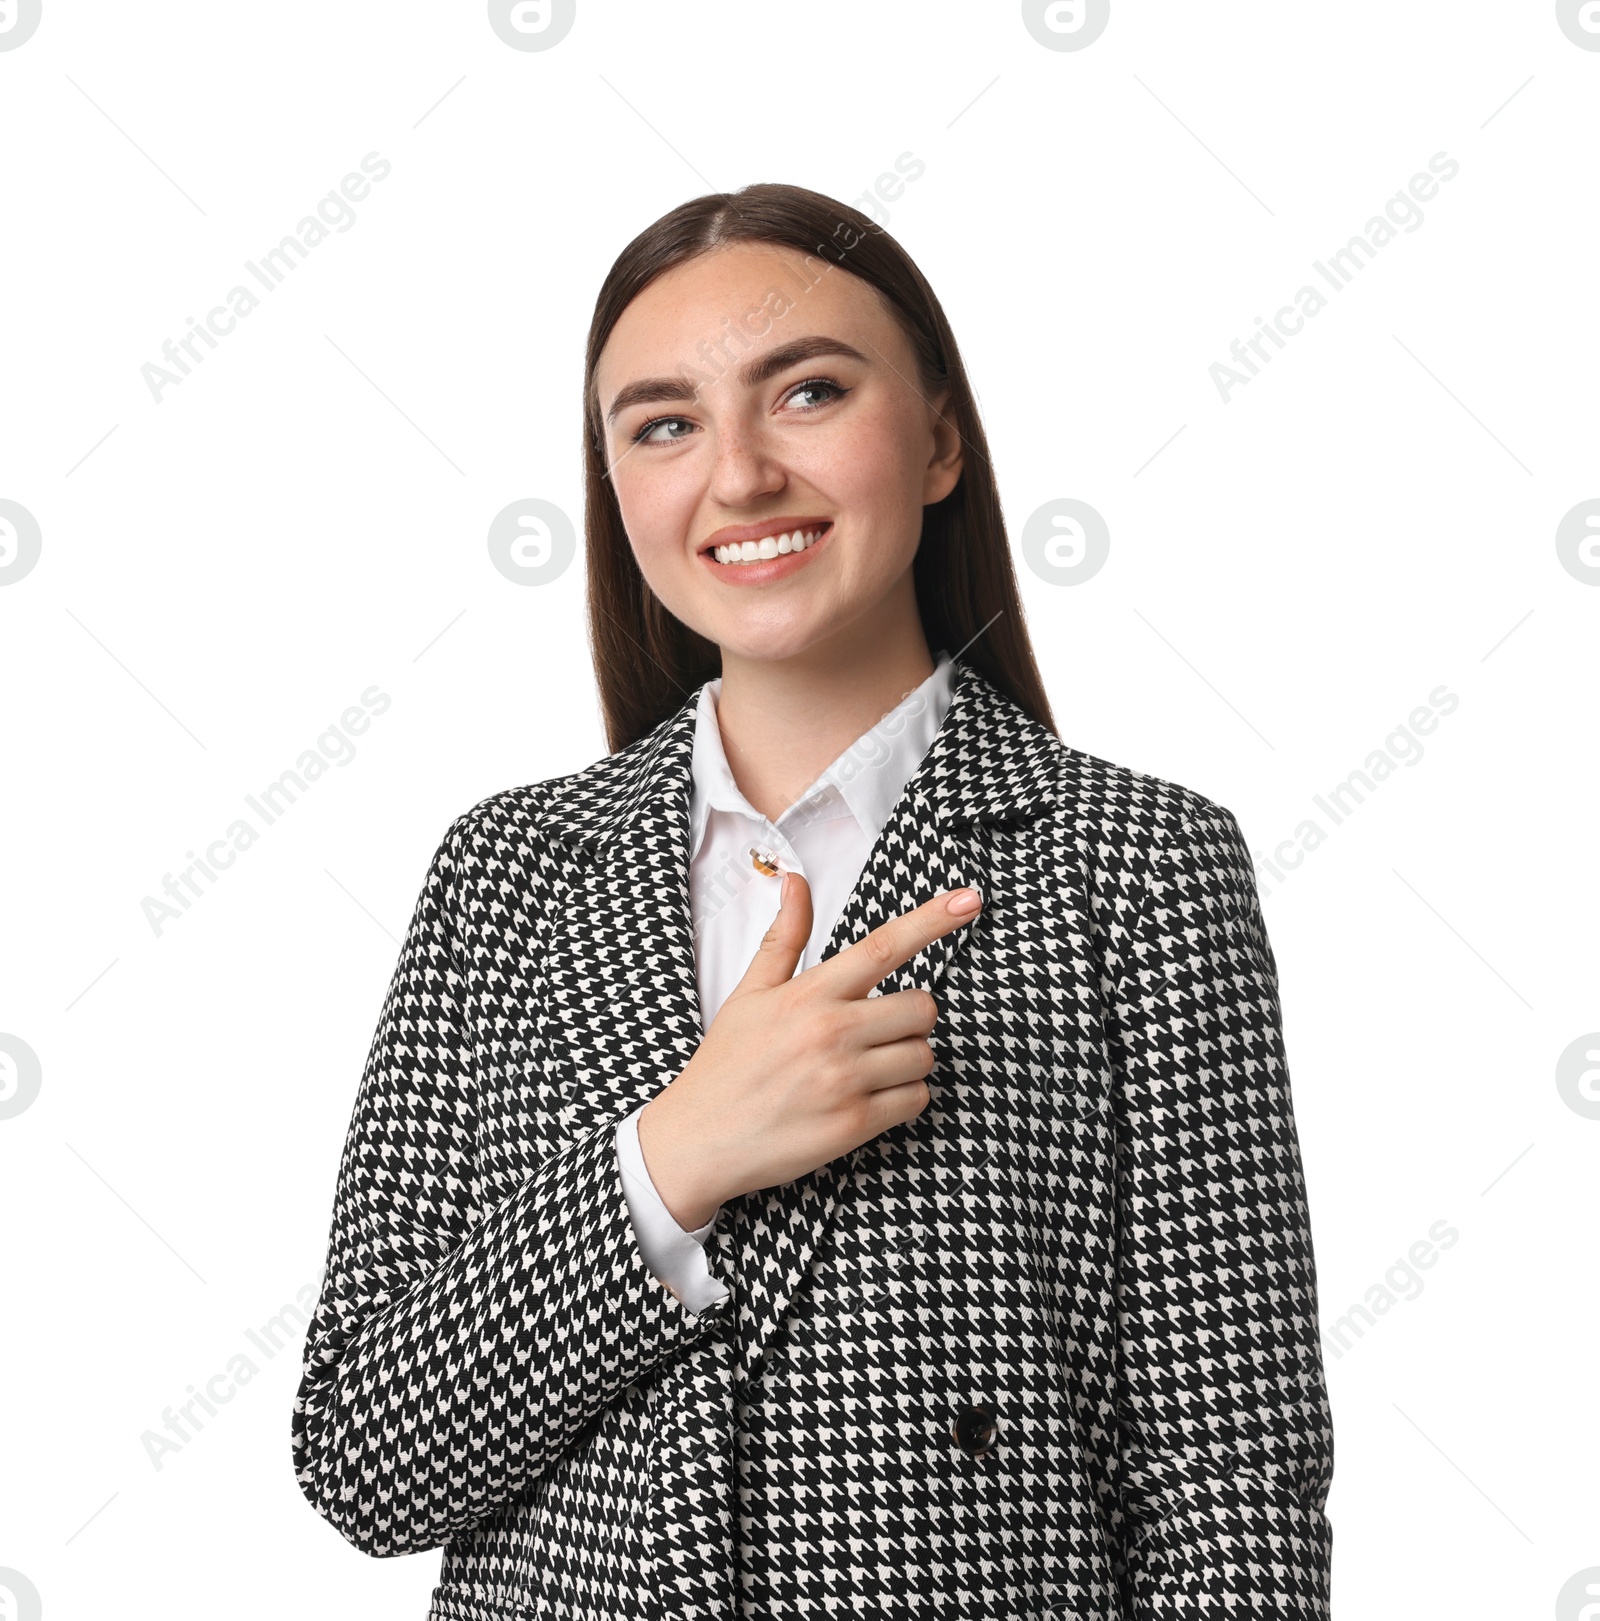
826 835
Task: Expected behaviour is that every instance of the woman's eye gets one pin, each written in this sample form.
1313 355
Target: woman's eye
815 385
645 434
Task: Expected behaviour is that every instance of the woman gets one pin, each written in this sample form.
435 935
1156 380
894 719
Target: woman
701 1250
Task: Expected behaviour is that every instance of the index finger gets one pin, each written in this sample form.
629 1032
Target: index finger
855 970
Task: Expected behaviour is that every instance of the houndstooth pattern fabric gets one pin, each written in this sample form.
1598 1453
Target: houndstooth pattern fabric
1046 1350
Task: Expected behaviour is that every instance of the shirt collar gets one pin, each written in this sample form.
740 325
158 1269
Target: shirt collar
868 776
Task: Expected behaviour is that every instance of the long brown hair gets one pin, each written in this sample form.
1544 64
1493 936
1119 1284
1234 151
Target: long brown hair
646 660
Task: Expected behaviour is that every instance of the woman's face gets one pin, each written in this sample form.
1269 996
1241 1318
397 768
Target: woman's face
738 405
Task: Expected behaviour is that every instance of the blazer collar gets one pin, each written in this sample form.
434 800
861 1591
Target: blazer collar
989 760
621 1016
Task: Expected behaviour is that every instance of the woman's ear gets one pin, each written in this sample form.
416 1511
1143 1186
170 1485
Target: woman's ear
944 467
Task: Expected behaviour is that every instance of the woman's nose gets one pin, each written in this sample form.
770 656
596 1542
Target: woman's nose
745 468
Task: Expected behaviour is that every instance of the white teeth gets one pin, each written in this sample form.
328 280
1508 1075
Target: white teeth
750 551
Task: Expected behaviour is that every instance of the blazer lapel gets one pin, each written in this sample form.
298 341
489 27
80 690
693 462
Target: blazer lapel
621 953
621 967
771 1235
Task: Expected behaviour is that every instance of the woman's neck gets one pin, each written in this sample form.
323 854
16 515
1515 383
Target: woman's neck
783 721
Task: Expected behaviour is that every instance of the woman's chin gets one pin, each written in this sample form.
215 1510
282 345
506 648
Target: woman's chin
757 639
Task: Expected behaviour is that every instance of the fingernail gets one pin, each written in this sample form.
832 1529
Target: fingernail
783 891
962 901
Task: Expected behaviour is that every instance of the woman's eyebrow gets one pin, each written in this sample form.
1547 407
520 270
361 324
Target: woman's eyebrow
658 390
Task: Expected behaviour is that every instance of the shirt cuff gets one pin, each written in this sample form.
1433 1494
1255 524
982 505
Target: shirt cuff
676 1255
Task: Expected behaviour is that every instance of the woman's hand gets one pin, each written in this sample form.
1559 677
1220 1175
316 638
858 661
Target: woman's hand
797 1069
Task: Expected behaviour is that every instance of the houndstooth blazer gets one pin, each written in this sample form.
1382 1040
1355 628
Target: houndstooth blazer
1049 1349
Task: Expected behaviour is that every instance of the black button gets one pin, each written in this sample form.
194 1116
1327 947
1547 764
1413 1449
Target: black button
975 1430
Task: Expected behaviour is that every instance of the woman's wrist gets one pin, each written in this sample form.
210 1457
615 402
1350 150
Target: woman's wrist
673 1167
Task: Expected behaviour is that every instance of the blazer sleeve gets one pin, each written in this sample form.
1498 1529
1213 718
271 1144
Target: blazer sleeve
1225 1435
456 1352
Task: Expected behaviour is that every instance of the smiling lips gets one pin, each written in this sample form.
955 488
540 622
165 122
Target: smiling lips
766 552
769 546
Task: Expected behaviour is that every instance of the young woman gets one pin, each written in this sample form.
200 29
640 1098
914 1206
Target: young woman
740 1216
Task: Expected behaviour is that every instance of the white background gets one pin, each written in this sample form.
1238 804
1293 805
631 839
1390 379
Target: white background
225 572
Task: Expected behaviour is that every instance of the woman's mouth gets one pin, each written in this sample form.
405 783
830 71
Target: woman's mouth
773 557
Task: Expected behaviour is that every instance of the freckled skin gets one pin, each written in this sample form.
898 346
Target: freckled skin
869 460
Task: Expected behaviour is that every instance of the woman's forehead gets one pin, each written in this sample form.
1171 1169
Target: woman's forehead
749 296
